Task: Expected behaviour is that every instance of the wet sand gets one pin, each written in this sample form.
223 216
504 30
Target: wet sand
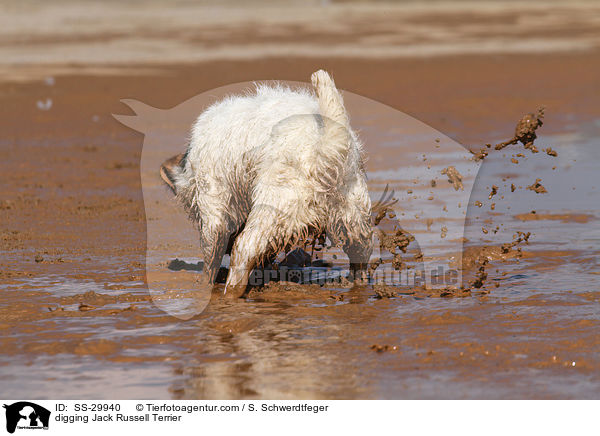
77 319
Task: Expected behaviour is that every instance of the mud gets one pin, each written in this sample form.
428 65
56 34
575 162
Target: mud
454 177
537 187
78 321
564 217
383 348
525 133
551 152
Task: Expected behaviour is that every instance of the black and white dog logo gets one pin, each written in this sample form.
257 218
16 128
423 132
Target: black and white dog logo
26 415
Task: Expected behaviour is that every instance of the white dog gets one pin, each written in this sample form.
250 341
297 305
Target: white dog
266 170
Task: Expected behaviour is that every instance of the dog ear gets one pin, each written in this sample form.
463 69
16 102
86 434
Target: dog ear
170 168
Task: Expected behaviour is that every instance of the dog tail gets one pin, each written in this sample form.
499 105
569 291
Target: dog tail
331 104
333 149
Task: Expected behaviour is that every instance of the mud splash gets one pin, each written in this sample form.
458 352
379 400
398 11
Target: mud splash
525 133
537 187
454 177
395 241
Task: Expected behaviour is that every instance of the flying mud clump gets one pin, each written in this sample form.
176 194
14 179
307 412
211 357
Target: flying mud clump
537 187
525 133
454 177
395 242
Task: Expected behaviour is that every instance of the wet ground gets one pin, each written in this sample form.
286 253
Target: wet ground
78 320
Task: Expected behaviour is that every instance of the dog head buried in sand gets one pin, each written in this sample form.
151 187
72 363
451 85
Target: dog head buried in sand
265 171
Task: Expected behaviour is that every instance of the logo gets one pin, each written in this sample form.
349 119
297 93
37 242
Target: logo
26 415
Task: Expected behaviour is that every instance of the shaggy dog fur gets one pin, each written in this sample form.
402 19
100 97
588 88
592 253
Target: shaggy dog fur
264 171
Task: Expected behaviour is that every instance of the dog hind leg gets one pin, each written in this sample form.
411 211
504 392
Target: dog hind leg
266 231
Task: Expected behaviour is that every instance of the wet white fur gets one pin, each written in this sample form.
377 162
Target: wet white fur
283 162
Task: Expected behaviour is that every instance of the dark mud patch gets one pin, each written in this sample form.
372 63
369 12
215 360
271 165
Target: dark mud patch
289 291
383 291
384 348
473 256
